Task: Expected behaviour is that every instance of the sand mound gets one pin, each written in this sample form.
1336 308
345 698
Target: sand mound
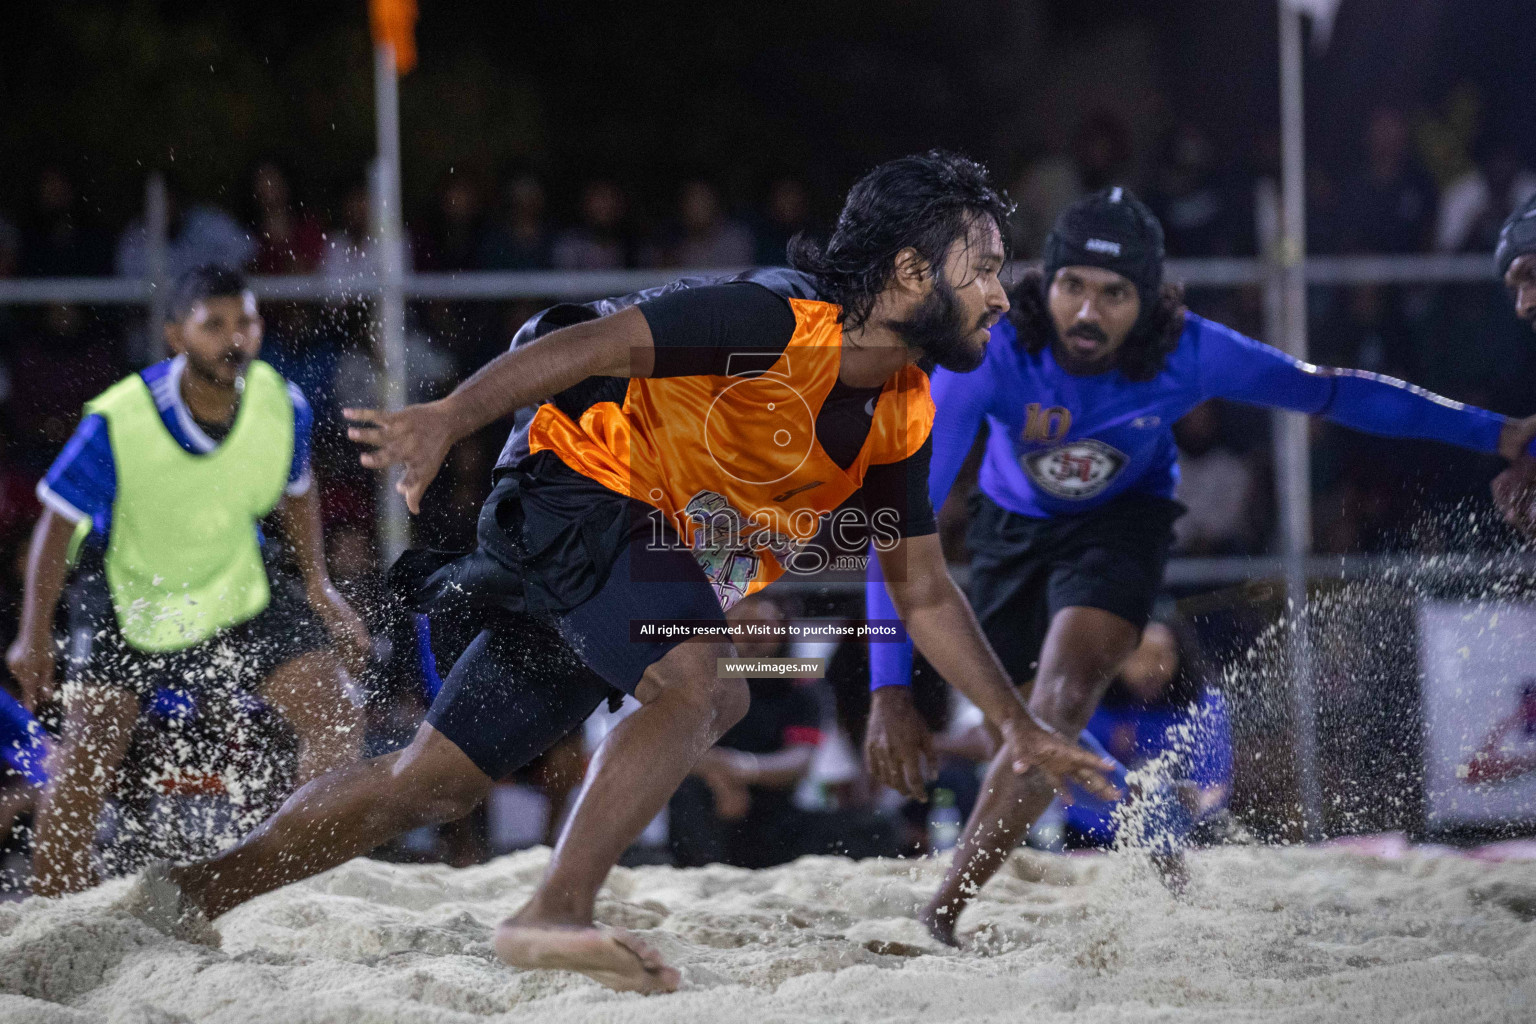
1267 935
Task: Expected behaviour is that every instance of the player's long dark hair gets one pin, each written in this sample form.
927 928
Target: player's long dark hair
923 202
1144 353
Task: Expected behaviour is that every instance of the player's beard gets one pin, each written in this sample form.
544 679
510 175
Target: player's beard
1075 363
935 328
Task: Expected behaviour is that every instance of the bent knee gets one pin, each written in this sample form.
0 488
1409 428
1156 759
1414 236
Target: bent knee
430 789
436 800
730 699
721 702
1066 707
688 681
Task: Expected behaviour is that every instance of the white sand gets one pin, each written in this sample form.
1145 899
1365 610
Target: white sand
1268 935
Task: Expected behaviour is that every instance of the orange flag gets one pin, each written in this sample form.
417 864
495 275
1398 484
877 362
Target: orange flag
394 22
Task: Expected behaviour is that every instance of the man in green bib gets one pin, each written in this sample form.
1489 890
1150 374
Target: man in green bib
156 502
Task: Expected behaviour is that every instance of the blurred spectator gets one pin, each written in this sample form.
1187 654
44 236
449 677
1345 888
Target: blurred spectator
56 238
1325 230
598 242
196 234
1162 706
1102 151
291 240
428 369
1389 206
1217 485
302 347
1198 210
288 240
519 238
10 249
958 741
530 805
1366 331
352 557
788 212
1045 188
18 504
452 238
10 263
1100 156
349 245
703 236
56 366
1462 348
1475 205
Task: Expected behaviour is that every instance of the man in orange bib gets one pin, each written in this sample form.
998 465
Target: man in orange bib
689 447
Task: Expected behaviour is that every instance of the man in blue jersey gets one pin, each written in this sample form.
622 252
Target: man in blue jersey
1070 532
154 503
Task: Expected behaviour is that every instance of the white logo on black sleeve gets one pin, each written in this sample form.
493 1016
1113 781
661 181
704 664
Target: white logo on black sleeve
1074 471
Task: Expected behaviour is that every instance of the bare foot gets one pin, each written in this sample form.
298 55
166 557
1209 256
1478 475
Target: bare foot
609 956
940 922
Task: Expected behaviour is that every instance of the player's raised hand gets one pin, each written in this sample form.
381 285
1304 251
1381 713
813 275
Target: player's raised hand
417 437
1031 744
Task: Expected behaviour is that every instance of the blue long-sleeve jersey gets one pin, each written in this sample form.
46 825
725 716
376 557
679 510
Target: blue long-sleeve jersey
1060 445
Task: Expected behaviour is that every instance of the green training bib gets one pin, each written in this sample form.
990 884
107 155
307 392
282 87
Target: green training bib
182 560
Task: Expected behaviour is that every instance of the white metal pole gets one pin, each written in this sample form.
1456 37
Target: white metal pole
1266 208
389 311
157 228
1292 449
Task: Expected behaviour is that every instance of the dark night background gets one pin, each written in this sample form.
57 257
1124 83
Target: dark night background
650 93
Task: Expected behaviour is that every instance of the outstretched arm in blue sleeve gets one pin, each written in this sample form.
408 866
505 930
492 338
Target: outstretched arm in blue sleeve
961 400
1236 367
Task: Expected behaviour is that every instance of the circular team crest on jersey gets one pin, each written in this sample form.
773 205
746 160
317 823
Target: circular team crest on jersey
1074 471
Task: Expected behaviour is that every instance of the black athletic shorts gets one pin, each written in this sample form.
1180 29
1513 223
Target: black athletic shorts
561 568
1024 570
242 656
